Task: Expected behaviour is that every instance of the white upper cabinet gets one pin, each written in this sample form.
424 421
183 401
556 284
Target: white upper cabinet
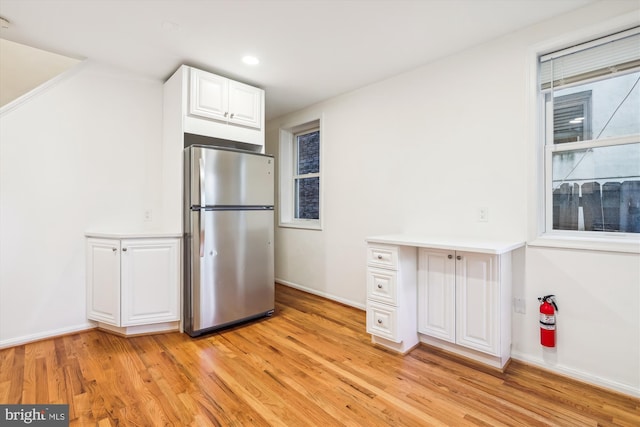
218 98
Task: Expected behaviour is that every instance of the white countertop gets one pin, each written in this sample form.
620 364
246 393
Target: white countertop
487 246
131 234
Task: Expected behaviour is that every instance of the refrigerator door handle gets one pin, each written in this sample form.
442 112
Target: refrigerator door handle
202 182
202 237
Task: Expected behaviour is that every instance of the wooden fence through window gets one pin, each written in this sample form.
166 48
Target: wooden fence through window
613 206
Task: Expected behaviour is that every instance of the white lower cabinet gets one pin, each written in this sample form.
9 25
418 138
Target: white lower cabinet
391 291
464 299
449 293
133 284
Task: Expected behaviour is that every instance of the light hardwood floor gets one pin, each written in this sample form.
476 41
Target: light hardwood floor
311 364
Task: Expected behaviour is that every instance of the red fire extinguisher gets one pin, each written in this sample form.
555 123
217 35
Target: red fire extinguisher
548 307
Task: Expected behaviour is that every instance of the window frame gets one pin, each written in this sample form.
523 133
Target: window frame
288 175
541 233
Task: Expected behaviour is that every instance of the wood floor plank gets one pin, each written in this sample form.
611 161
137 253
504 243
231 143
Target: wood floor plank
311 364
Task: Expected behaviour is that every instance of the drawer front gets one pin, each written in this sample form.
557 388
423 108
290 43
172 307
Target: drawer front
381 286
382 321
383 256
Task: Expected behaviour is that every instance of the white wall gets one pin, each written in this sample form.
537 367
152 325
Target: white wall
82 154
420 152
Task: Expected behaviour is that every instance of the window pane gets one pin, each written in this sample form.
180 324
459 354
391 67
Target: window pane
572 117
597 189
597 110
307 198
308 149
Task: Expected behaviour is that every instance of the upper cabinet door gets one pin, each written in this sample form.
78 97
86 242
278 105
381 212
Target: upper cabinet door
245 104
215 97
209 95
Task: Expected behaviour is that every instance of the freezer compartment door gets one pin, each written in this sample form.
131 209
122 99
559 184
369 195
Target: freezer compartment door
232 268
218 177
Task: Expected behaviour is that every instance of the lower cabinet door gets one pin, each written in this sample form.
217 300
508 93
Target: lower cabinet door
477 302
103 280
150 281
436 294
382 321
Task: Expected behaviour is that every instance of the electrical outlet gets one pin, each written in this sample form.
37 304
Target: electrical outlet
483 214
148 215
519 305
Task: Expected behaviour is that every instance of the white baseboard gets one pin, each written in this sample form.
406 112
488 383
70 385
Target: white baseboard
578 375
12 342
322 294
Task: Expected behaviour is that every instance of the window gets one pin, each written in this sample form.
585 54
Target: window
300 180
591 97
307 175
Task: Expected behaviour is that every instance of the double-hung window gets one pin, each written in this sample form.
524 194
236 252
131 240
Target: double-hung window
300 179
591 116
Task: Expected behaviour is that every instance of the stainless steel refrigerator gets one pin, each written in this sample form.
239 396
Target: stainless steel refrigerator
228 230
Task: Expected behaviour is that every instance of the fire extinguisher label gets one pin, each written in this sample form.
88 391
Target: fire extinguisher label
548 321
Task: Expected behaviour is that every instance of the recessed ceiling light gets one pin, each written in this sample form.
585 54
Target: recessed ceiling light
250 60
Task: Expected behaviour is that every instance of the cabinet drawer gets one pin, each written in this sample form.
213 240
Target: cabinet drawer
382 321
381 285
383 256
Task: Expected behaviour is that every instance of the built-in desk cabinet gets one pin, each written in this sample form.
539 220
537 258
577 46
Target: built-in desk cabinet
456 295
463 299
133 284
391 309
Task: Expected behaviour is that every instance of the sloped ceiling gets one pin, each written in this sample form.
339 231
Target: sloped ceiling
23 68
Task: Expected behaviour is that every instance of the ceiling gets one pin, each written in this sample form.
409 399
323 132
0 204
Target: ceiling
309 50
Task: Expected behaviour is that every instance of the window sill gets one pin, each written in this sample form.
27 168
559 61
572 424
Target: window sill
603 244
305 225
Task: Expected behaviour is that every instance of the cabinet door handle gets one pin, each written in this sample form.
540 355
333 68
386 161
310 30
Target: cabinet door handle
231 116
458 257
380 321
379 286
114 249
226 113
379 256
450 256
124 249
